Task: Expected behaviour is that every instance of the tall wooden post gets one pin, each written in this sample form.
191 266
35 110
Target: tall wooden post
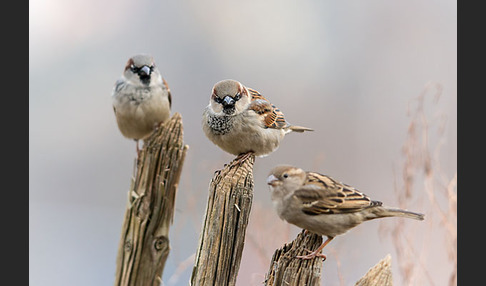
223 231
144 243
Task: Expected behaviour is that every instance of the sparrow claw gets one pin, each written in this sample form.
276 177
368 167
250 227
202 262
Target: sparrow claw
139 152
157 125
137 148
312 255
238 161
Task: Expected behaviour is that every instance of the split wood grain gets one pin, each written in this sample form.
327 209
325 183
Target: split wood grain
223 230
286 269
380 274
144 243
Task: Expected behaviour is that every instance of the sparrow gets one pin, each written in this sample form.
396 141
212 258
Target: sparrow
242 122
141 98
322 205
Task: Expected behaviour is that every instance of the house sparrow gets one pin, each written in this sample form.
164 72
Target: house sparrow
322 205
241 121
141 98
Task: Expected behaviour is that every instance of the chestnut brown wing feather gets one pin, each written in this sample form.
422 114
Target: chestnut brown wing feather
323 195
272 116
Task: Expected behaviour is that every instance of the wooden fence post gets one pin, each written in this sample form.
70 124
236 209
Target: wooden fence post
144 243
286 269
223 231
380 274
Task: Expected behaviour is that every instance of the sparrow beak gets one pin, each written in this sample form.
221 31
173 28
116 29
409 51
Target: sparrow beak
228 101
144 71
272 180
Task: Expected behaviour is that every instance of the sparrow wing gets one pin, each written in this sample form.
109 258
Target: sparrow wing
272 116
119 85
168 91
256 95
323 195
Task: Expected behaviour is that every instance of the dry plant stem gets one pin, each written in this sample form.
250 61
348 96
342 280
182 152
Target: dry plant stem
423 164
286 269
380 274
144 243
223 231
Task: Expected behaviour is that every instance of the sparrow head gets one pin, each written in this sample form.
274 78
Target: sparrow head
141 69
285 178
229 97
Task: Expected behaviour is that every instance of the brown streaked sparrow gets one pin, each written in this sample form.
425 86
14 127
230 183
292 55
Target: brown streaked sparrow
322 205
242 122
141 98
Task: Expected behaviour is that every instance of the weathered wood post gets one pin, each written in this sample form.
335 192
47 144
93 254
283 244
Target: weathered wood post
223 230
380 274
144 243
286 269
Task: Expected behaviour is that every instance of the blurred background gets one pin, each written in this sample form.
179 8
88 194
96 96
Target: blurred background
377 80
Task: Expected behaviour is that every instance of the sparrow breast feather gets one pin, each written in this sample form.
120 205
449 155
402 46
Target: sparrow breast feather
240 120
141 98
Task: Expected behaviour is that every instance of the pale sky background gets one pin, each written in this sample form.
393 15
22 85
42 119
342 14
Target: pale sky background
349 69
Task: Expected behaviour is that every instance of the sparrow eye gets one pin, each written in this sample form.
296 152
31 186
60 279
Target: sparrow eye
285 175
134 69
218 99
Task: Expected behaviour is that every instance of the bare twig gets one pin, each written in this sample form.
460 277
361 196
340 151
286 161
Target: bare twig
422 164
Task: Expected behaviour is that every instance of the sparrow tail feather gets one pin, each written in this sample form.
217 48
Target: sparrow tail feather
300 129
402 213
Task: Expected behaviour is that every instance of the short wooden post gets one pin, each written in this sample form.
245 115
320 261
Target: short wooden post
380 274
223 230
144 243
286 269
